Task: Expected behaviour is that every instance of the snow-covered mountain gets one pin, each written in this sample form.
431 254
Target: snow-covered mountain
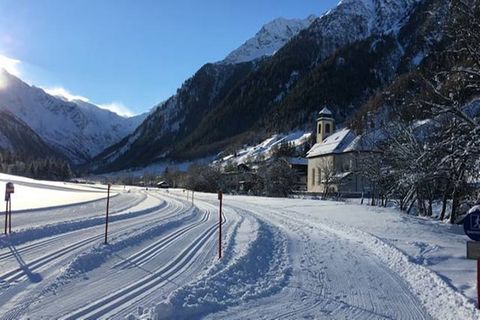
341 57
269 39
18 137
350 20
76 129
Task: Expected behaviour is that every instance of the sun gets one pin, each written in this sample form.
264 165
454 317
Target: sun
11 66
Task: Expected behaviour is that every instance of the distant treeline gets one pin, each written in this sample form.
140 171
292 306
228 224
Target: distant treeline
38 168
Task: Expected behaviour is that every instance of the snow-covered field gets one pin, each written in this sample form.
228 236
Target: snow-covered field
34 194
282 259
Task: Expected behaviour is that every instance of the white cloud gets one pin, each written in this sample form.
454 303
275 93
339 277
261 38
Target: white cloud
118 108
10 65
64 93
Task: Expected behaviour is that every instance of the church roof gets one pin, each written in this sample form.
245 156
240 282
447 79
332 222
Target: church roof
342 141
325 112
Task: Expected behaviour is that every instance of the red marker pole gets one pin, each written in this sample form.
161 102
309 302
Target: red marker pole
6 216
10 216
106 218
220 197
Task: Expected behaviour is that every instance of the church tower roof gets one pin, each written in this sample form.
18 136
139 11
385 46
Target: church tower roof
325 113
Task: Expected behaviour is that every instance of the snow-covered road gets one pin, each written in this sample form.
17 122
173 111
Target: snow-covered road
282 259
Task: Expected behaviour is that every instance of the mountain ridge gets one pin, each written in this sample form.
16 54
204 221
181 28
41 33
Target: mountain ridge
76 129
260 100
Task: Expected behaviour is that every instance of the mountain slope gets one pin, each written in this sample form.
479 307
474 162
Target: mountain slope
341 59
174 119
18 137
268 40
78 130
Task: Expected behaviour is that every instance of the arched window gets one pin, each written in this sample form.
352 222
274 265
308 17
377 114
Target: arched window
327 128
313 176
319 128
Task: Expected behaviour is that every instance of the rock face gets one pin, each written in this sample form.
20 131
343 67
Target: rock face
339 59
75 129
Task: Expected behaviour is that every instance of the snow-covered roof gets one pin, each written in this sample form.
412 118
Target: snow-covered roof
360 143
335 143
325 112
342 175
342 141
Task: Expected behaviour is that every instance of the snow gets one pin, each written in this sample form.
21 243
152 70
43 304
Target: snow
370 16
282 258
29 196
268 40
264 149
78 129
325 112
157 168
335 143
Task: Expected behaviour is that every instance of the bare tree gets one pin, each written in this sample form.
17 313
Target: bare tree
326 175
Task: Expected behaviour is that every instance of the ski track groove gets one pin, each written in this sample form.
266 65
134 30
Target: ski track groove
357 306
145 255
146 284
172 209
325 306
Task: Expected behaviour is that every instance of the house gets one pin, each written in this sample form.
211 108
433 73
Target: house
163 185
299 165
334 160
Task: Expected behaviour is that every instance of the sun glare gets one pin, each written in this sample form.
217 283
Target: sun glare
9 65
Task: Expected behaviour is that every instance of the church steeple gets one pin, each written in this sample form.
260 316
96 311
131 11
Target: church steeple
325 124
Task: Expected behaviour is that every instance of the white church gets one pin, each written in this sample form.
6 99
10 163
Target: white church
333 161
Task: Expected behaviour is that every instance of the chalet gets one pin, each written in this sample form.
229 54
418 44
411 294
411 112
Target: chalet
299 166
333 161
163 185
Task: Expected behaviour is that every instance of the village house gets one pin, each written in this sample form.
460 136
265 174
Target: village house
333 162
299 166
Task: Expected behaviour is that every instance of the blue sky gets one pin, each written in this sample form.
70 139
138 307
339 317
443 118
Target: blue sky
129 55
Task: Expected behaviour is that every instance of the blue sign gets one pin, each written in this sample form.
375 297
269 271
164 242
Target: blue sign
471 223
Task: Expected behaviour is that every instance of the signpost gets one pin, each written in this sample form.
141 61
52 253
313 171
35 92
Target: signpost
106 218
471 226
220 197
9 189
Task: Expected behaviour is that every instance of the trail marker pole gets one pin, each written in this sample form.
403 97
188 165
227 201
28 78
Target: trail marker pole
106 217
220 197
6 215
10 215
193 193
9 189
